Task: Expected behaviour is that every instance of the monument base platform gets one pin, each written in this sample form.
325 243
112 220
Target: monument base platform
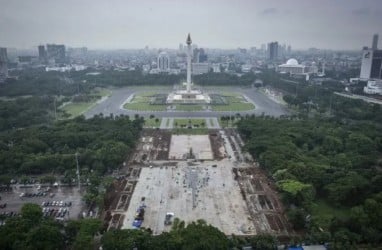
188 97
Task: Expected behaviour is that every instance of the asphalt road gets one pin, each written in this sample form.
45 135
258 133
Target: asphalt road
113 105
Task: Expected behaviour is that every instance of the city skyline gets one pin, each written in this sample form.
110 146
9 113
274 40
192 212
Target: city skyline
327 24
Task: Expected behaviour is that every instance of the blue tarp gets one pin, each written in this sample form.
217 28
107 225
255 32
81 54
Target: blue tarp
137 223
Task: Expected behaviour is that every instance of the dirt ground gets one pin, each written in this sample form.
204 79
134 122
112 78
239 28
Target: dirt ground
193 192
182 145
230 192
262 200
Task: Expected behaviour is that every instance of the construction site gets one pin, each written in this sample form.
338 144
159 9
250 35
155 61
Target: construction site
194 177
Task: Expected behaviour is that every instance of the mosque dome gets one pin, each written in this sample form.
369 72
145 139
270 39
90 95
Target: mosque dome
292 61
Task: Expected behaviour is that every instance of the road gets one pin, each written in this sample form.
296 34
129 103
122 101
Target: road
113 105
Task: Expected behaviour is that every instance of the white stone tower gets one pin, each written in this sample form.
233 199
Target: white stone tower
189 51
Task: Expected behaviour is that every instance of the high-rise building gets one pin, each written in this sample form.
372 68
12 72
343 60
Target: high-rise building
273 48
42 56
375 42
202 56
289 49
371 67
163 62
199 56
3 64
196 54
56 52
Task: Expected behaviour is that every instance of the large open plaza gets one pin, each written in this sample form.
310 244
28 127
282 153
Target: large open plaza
217 184
194 192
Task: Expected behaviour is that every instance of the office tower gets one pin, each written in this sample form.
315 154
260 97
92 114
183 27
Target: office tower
202 56
42 56
163 62
375 42
3 64
273 48
56 52
195 56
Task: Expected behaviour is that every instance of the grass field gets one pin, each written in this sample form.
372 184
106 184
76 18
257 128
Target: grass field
141 106
77 108
227 123
141 102
185 107
241 106
152 123
186 131
194 122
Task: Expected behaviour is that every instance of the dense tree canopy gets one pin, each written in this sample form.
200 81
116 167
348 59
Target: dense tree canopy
101 143
321 159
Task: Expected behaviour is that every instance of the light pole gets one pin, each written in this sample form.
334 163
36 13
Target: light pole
78 172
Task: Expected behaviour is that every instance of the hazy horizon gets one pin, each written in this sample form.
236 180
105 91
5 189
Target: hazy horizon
326 24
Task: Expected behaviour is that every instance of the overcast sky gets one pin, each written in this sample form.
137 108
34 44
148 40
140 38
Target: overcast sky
112 24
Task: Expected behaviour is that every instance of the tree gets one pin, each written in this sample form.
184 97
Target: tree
202 236
126 239
31 213
264 242
44 237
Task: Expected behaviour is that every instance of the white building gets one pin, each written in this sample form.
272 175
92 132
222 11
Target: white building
200 68
163 62
373 87
216 68
292 67
245 68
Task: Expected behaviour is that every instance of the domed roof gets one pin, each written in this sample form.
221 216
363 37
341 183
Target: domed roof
292 61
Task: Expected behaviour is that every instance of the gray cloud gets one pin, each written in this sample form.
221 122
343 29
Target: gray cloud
269 11
214 23
361 12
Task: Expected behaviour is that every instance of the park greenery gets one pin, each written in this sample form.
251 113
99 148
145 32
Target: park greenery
324 158
102 143
31 230
325 162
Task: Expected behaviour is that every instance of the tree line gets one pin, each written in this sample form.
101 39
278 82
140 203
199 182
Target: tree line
31 230
322 159
102 143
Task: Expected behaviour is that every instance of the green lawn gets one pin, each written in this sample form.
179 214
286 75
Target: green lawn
141 106
186 131
103 92
323 212
185 107
235 106
227 123
194 122
151 123
141 102
76 109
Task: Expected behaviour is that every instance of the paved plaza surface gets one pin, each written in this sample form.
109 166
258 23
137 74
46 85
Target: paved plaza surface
181 145
229 192
114 104
205 191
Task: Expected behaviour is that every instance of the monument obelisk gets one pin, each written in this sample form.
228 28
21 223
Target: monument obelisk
189 51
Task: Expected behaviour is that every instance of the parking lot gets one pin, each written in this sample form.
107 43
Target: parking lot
61 203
